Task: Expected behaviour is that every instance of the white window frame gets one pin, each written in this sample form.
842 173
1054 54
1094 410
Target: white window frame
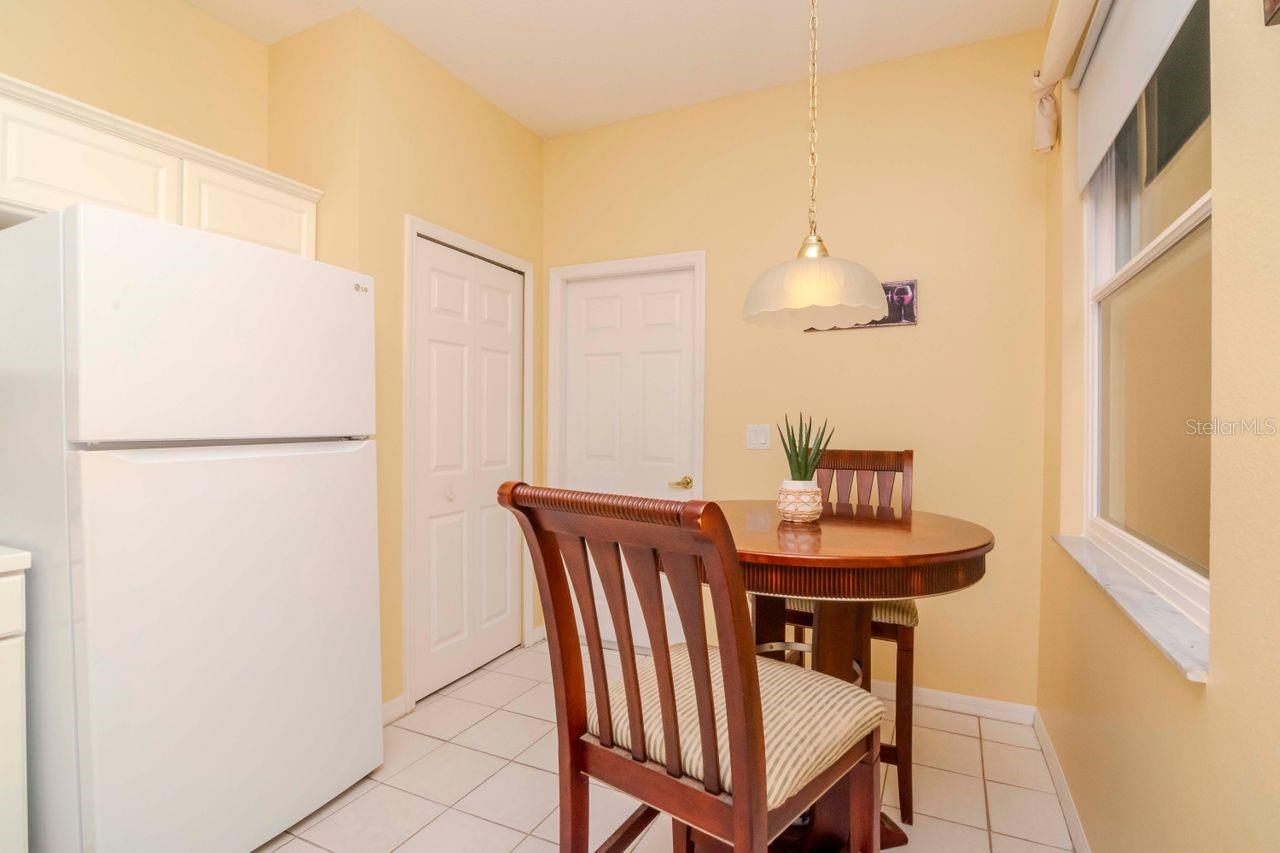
1181 586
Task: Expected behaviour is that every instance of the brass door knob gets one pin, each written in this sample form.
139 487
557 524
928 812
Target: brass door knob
685 482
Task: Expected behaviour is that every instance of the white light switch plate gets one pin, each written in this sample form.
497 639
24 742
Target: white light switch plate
759 436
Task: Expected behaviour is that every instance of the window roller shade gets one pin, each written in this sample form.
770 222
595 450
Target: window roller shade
1135 37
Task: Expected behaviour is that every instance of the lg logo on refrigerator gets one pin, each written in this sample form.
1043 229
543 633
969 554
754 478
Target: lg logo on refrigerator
361 287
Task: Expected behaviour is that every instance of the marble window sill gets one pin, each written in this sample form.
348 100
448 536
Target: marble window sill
1184 643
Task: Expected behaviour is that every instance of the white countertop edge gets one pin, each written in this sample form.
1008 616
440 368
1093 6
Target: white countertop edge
1184 643
13 560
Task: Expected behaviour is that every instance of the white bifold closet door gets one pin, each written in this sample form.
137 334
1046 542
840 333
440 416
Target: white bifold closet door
464 419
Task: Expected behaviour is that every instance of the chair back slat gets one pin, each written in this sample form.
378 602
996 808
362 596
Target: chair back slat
878 468
682 573
844 486
573 551
609 569
642 563
824 476
884 487
865 479
691 544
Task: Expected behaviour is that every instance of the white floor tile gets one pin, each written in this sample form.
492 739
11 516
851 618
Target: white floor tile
447 774
531 664
494 689
537 845
458 682
612 660
444 717
298 845
516 796
1010 733
504 733
359 789
539 702
1005 844
400 748
455 830
505 658
657 838
375 823
1016 765
943 794
544 754
947 721
930 835
1031 815
608 809
274 844
946 751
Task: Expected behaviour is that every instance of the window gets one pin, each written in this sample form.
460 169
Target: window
1153 359
1150 230
1178 94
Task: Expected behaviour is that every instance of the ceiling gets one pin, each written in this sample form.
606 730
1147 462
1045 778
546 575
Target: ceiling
564 65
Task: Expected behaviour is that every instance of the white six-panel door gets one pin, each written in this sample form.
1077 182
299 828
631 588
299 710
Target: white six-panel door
628 377
464 422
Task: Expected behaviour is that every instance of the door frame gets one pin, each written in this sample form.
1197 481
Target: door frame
415 229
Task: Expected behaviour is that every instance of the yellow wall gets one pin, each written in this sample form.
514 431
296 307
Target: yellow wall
315 130
926 172
1155 762
409 139
163 63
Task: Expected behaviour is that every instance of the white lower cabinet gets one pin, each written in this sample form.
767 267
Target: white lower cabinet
13 721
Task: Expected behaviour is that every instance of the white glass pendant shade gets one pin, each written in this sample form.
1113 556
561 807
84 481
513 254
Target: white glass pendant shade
816 291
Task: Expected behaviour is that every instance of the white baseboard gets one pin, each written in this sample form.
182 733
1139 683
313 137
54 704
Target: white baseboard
1074 826
992 709
395 708
535 635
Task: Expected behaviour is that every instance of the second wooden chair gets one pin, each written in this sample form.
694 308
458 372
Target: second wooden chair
895 621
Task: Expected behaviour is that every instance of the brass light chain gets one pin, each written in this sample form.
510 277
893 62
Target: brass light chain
813 117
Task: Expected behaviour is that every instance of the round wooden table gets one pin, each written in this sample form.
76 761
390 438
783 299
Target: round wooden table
849 558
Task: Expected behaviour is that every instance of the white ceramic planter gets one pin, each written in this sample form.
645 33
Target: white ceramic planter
799 501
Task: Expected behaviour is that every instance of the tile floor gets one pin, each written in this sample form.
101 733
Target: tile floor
473 769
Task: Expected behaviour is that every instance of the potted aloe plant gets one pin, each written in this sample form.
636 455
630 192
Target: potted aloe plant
799 498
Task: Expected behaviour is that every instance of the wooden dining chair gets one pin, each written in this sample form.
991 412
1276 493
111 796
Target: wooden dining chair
895 621
734 747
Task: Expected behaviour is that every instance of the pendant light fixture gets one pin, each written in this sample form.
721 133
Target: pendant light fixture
815 291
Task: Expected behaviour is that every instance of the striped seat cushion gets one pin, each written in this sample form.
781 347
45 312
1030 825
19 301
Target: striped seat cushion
901 612
810 719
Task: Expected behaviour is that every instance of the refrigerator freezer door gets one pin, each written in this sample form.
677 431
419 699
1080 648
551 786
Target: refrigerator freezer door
228 676
176 334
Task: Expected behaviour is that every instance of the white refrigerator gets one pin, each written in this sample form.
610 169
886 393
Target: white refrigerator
185 451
